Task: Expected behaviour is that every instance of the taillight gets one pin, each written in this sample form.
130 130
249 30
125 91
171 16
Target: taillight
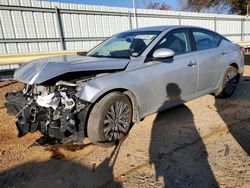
242 49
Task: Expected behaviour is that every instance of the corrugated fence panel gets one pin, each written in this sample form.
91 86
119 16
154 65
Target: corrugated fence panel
209 24
91 25
4 2
67 26
11 47
106 30
22 47
98 26
231 29
7 26
3 49
112 22
247 29
52 46
25 3
40 24
49 25
228 27
29 23
28 28
18 23
33 47
43 46
44 4
70 45
1 29
36 3
83 24
75 21
14 2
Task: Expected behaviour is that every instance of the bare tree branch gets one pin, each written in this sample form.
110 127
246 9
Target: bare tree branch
159 6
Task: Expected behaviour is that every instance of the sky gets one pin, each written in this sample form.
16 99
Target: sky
121 3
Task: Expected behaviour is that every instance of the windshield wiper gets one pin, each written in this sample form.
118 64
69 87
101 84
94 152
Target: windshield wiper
82 53
121 57
98 56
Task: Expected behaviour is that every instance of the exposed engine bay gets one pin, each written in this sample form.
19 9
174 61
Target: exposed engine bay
52 100
53 109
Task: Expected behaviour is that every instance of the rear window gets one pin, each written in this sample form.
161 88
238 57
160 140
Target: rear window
205 39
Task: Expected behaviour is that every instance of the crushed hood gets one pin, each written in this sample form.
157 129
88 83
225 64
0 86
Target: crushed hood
41 70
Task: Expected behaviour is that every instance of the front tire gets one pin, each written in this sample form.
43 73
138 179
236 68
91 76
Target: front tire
110 119
229 82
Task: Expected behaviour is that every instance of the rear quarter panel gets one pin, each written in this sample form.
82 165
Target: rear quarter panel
234 55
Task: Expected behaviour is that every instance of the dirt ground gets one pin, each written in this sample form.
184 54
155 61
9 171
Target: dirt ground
203 143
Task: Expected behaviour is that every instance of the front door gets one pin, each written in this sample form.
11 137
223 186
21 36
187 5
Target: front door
174 80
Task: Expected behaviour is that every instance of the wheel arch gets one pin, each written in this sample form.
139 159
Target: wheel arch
220 84
130 95
95 95
235 65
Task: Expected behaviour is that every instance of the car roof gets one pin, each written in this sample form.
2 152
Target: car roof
158 28
169 27
164 27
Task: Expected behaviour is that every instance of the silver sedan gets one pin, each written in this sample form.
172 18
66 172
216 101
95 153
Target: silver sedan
101 93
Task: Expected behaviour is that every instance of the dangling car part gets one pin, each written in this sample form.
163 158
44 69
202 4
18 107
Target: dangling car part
125 78
54 111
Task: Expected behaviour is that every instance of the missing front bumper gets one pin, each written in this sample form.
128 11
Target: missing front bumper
60 125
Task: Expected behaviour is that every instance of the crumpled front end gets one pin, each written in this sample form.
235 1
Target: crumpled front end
53 110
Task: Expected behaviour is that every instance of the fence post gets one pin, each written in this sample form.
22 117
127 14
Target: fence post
135 14
60 28
179 17
242 29
215 23
130 20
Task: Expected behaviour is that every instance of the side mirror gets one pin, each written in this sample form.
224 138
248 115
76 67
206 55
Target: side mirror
163 53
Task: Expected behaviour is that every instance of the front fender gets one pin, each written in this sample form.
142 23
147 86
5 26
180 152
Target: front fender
131 81
90 92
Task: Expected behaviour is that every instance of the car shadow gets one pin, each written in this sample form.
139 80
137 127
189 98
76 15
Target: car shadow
235 112
247 59
176 149
61 173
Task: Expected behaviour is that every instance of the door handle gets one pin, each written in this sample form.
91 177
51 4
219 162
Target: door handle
224 53
192 63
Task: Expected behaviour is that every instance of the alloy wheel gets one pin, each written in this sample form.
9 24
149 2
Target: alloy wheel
230 84
116 121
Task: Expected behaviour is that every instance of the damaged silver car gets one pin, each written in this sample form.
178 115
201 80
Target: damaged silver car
99 94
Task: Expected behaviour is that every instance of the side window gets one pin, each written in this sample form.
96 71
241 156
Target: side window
176 41
205 39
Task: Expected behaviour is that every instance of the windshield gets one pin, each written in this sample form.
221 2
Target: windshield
124 45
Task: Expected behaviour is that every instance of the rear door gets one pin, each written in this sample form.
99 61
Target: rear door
210 58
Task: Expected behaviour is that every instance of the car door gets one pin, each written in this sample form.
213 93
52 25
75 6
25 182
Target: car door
209 58
171 80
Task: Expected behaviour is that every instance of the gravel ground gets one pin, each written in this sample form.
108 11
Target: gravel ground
203 143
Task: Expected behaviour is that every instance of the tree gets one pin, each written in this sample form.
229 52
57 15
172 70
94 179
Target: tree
239 6
235 6
159 6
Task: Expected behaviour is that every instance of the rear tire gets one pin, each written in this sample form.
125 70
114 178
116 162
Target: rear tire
110 119
229 82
